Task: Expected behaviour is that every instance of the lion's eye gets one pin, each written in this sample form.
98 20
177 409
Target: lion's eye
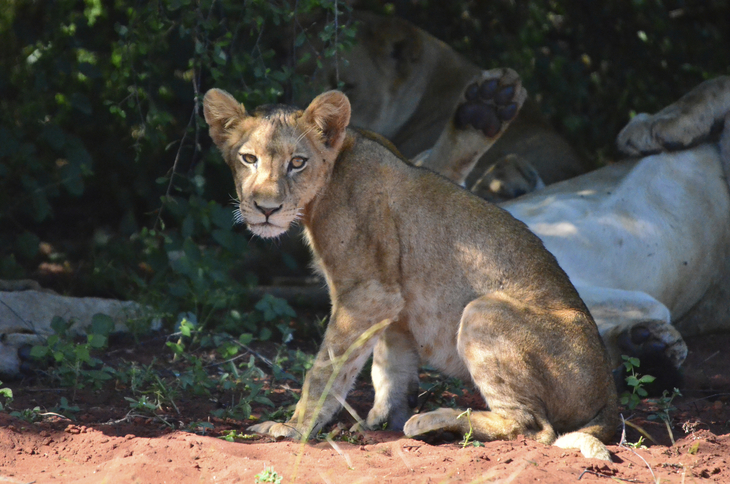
297 163
248 158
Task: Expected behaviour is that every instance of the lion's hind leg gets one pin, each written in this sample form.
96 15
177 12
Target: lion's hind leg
540 371
484 425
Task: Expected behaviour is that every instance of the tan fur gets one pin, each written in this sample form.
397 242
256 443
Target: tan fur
461 284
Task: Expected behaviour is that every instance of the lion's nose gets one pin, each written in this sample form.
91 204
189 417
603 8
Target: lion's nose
267 211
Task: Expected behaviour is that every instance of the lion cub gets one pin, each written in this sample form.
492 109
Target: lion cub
432 272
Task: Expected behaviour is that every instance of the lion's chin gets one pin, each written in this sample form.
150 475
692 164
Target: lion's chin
267 230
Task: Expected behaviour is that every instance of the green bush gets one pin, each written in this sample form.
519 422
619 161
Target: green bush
103 149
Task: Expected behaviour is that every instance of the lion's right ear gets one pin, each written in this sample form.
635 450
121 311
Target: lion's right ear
221 111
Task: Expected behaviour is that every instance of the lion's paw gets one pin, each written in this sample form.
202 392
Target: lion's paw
695 117
659 348
509 178
653 339
441 419
276 429
491 102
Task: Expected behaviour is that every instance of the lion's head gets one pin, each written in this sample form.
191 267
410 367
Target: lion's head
280 156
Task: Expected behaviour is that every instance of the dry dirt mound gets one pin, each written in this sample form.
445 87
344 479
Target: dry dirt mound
111 448
94 455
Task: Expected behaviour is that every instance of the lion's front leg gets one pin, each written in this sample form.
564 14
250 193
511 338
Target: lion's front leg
348 342
395 378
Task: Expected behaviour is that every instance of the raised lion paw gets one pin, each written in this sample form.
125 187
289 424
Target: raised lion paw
696 116
489 103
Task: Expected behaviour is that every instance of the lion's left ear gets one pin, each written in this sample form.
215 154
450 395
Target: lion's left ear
329 114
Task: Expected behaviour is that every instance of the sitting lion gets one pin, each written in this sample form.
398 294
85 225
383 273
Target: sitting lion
420 270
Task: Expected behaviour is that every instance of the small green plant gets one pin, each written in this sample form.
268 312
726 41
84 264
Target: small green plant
470 433
268 475
7 395
244 390
143 404
635 381
234 435
665 406
30 415
639 444
65 408
292 365
74 365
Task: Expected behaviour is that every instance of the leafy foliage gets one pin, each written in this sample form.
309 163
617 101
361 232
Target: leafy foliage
74 364
268 475
7 396
635 381
100 116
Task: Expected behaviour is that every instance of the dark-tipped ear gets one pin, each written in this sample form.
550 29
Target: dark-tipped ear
329 114
221 111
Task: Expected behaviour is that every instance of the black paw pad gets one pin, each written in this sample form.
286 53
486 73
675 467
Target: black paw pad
488 89
487 106
639 335
479 115
508 112
472 92
504 95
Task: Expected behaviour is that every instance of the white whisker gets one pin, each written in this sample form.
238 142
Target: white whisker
304 134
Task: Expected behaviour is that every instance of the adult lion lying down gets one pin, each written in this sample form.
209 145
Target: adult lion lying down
647 241
403 83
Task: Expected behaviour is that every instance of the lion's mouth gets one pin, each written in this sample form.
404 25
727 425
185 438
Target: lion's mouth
266 229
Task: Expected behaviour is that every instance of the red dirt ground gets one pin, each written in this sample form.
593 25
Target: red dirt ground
100 447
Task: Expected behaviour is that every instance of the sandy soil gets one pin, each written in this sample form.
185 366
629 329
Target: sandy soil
104 446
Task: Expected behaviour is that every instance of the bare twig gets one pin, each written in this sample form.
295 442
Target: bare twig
623 443
177 157
588 471
641 431
710 357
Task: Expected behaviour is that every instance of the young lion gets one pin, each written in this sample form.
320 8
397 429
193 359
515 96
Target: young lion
452 279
